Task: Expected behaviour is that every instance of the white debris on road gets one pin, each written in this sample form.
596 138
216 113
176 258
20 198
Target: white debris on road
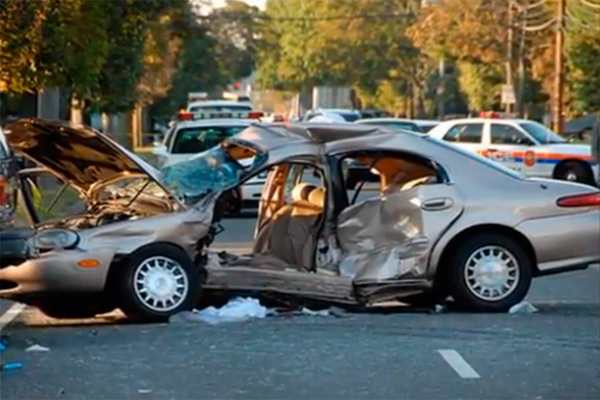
36 347
238 309
523 308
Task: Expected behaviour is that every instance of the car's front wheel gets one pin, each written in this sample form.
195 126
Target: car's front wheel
489 273
157 282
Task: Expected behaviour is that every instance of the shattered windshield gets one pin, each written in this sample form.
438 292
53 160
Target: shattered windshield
211 171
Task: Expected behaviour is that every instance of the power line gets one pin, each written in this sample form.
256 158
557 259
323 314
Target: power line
541 27
308 18
524 7
592 5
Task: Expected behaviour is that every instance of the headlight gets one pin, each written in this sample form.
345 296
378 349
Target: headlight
56 239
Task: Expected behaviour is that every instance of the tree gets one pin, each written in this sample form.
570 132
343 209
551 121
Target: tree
473 34
235 28
160 54
51 43
359 43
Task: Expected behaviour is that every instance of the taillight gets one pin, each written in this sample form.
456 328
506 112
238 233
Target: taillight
185 116
255 114
580 200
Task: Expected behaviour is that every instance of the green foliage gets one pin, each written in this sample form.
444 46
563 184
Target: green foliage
236 29
301 48
481 84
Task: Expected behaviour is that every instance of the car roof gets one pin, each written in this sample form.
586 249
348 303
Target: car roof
426 121
338 110
284 135
198 123
218 103
367 120
483 120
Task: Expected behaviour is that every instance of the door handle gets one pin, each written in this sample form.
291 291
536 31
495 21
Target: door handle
437 204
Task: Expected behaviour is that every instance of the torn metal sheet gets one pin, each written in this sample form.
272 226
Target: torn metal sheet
383 238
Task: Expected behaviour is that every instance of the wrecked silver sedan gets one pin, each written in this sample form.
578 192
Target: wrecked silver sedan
438 221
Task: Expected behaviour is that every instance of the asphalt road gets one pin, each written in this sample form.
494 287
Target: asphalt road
552 354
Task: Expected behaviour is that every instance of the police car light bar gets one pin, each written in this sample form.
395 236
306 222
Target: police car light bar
190 116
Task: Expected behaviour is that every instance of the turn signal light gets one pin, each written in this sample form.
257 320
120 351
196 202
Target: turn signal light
580 200
88 263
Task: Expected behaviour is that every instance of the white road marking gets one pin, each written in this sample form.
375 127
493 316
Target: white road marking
11 314
462 367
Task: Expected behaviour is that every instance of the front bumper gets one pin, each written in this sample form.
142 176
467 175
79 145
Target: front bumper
56 271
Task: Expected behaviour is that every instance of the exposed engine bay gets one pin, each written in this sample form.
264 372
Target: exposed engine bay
113 210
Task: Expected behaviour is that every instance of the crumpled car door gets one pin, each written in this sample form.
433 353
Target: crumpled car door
389 238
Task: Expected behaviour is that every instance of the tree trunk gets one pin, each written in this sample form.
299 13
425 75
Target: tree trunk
76 110
411 102
136 126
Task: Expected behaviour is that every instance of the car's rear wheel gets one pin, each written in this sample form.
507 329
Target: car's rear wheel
157 282
489 273
574 171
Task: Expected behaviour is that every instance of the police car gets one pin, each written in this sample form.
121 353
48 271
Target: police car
204 125
522 145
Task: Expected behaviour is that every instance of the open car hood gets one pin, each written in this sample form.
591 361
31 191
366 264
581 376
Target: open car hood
80 155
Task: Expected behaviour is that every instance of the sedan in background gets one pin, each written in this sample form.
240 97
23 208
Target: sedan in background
391 123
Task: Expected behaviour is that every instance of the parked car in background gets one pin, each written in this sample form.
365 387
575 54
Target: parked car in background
190 137
373 113
348 115
391 123
522 145
426 124
207 109
442 218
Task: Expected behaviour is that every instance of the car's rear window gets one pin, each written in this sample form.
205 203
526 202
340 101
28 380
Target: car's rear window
198 139
349 117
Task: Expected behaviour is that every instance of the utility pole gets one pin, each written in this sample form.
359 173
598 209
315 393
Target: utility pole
509 53
522 72
559 67
441 89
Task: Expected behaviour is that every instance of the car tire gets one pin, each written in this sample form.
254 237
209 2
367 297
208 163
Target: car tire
481 269
156 282
574 171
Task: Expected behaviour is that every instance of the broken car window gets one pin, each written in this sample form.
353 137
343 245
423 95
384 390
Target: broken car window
214 170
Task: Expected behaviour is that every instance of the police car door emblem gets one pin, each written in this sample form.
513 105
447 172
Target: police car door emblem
529 158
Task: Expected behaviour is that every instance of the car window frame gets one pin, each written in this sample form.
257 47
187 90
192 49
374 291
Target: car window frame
516 128
338 159
453 126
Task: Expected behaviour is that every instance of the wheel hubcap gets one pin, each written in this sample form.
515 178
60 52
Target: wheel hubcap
491 273
160 283
571 176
